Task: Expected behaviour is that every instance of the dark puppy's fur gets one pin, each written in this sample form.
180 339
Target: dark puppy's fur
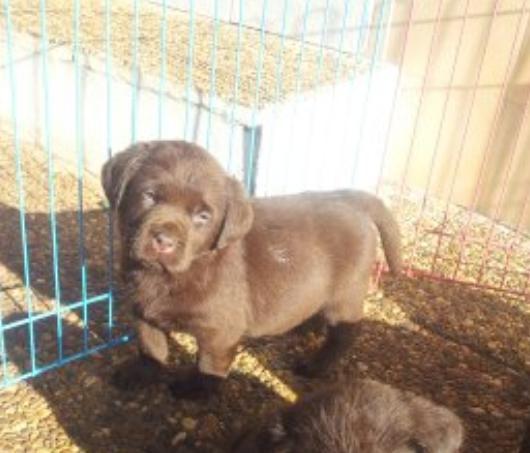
358 417
198 256
525 443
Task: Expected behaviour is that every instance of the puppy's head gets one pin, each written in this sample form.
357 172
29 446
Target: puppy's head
174 202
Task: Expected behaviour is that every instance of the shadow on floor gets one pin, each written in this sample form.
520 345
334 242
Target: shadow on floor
492 400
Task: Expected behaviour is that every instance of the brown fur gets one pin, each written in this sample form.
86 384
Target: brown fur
238 267
359 417
525 443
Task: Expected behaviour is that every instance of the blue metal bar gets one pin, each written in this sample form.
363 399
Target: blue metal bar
395 97
64 309
163 65
189 68
250 156
445 105
65 360
302 48
345 16
385 14
297 85
373 61
3 355
317 76
213 70
338 63
364 27
20 184
135 73
279 58
236 84
278 89
79 140
322 41
110 222
51 181
357 51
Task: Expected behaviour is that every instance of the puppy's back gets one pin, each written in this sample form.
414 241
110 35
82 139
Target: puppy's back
325 211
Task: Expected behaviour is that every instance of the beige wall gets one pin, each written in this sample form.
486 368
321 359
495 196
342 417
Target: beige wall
432 127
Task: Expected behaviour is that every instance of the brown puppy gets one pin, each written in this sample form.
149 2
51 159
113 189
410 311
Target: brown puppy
525 443
198 256
358 417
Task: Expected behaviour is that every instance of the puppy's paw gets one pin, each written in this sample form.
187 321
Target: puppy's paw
187 390
195 387
309 369
135 374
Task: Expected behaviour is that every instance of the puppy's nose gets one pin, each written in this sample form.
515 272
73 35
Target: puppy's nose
163 243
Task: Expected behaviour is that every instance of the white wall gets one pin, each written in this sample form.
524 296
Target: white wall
31 112
330 138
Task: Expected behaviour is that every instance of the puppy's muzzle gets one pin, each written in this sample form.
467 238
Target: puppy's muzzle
166 239
162 238
163 243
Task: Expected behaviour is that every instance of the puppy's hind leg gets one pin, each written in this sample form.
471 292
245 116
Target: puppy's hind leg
148 367
343 318
338 340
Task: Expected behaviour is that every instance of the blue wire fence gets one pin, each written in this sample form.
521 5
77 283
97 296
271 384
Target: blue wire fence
64 299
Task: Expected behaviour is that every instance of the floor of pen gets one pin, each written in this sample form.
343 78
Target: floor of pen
460 347
463 347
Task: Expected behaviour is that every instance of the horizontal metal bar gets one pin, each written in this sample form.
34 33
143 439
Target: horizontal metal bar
58 363
414 272
64 308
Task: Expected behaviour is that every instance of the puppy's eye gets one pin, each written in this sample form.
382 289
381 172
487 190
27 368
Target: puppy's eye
149 197
201 218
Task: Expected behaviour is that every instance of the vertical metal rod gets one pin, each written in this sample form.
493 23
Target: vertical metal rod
510 248
373 61
110 220
235 99
189 66
297 86
51 179
278 90
436 149
420 105
79 145
20 190
259 69
315 85
163 69
395 97
485 157
135 72
213 70
504 184
357 51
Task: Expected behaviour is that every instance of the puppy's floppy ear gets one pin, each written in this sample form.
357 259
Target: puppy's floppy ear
118 171
238 216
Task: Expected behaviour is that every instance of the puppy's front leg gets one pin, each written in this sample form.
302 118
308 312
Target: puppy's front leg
214 360
148 366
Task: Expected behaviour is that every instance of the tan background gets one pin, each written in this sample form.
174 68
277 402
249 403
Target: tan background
489 88
470 123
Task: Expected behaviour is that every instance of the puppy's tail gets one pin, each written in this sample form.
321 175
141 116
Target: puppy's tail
387 226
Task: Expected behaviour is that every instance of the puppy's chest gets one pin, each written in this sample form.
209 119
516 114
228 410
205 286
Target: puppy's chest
168 306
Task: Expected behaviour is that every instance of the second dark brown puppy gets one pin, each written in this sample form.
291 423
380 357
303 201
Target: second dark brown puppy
198 256
361 416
